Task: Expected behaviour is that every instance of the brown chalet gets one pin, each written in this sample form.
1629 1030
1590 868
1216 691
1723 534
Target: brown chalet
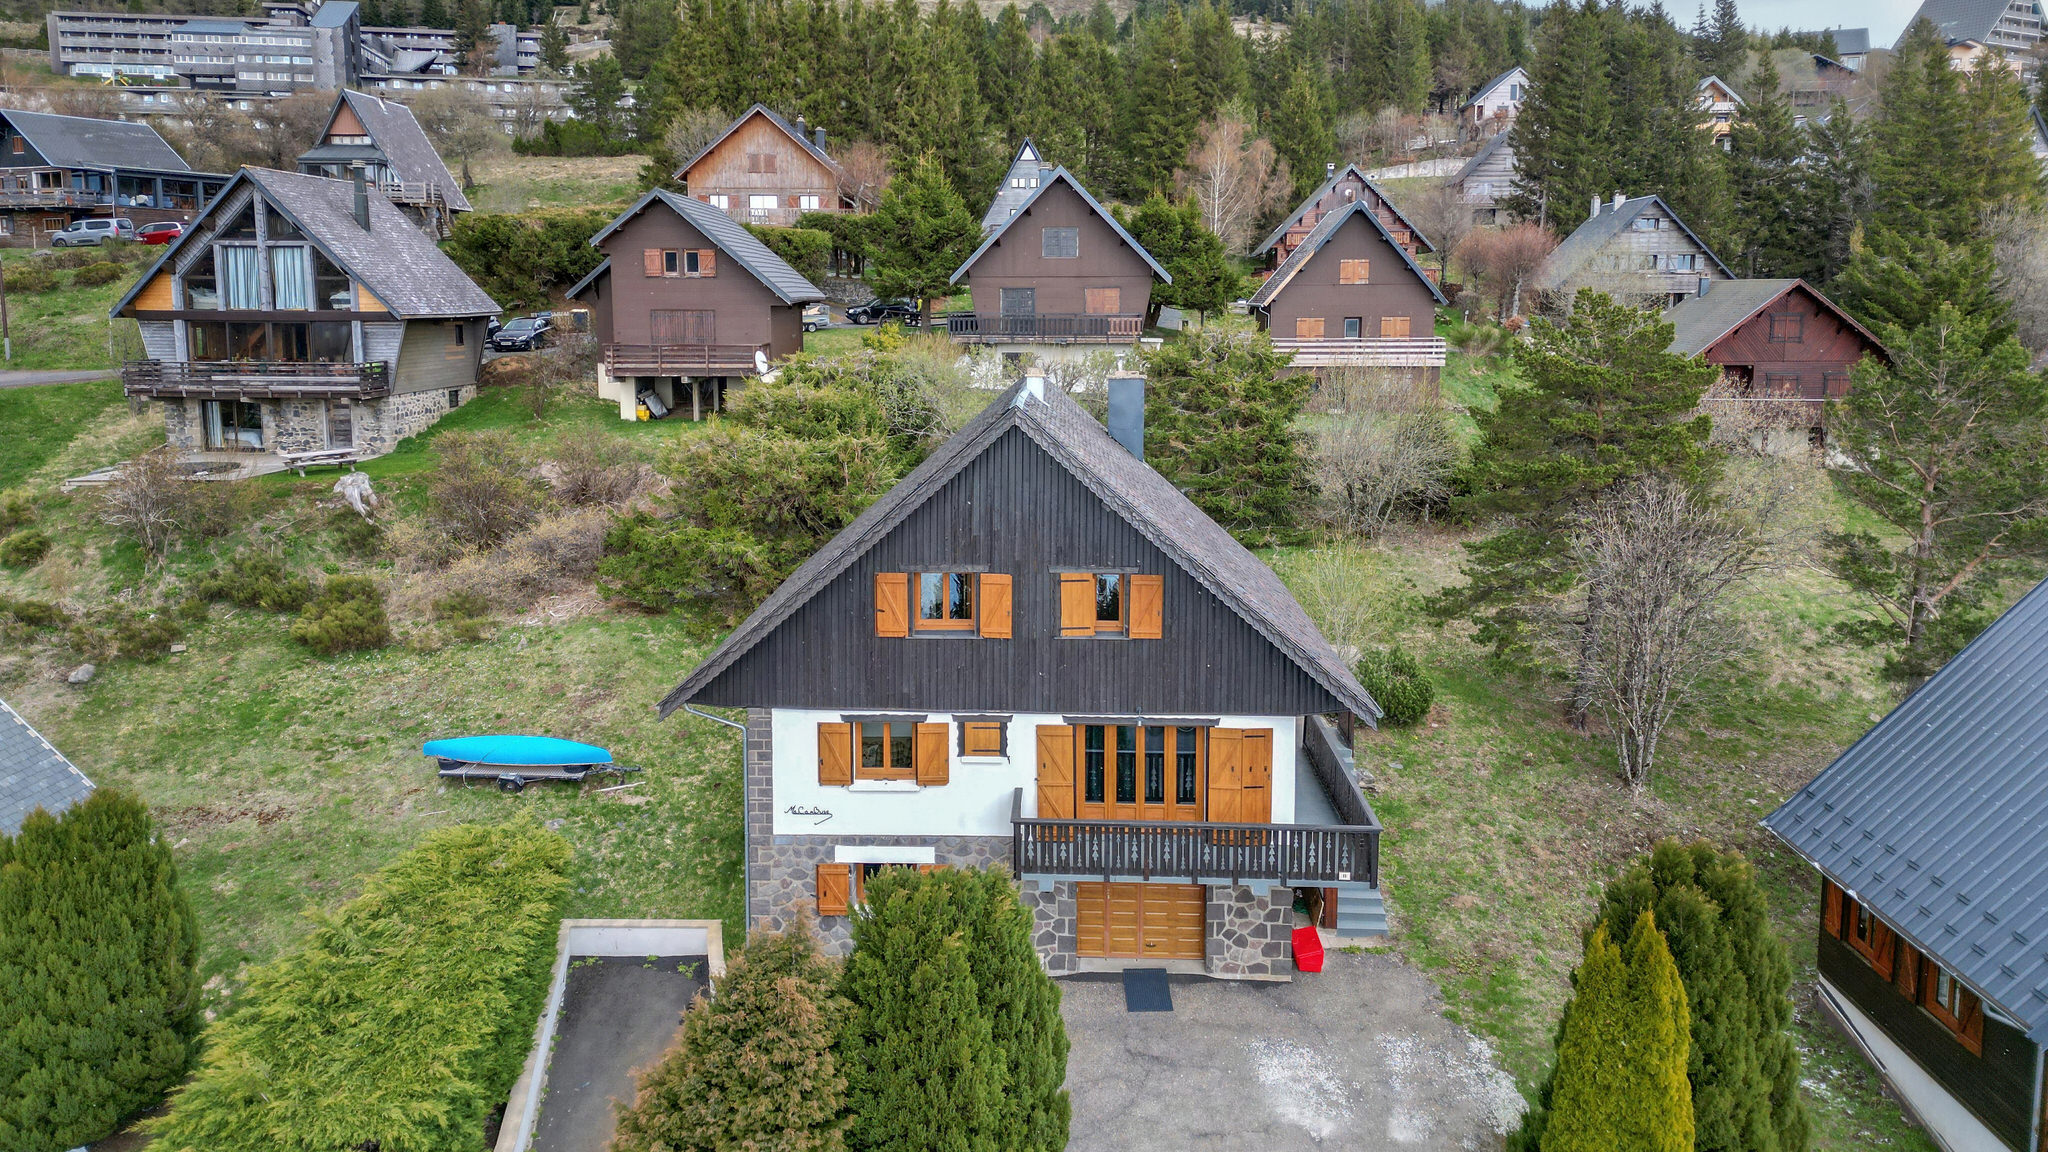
1350 294
1059 274
764 170
1776 340
1341 188
686 294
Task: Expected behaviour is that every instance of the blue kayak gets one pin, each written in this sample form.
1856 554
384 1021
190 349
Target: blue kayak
517 752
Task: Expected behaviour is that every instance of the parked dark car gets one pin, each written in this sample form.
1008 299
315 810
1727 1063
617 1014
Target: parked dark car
162 232
522 335
883 311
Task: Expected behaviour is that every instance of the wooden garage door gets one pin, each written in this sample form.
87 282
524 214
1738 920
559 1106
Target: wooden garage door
1157 921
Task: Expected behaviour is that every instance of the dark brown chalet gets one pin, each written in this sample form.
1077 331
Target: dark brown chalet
1034 652
1776 340
1057 274
764 170
686 295
1350 294
1341 189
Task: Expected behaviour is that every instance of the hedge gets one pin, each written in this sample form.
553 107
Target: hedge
807 250
402 1021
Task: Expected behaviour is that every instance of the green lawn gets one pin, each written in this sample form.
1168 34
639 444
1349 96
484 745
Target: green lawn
511 183
68 328
38 422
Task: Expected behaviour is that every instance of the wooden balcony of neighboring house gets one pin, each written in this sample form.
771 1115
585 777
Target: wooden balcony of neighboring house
683 359
11 197
1365 352
255 379
1045 328
426 194
1304 855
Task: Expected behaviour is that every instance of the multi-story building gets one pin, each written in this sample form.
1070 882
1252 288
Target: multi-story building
57 169
384 140
764 170
1351 295
1636 250
1975 29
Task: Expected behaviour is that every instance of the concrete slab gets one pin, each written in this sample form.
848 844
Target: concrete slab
1357 1056
618 1015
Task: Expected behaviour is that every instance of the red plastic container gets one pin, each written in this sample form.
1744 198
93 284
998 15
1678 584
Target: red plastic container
1308 949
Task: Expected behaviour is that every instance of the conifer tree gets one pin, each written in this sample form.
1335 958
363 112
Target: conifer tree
434 14
554 48
1010 59
99 984
1219 57
1204 280
1220 427
1161 104
1948 145
1302 131
1400 48
1622 1051
1721 45
1562 156
1022 1004
1834 188
921 234
473 35
1771 235
753 1066
1743 1068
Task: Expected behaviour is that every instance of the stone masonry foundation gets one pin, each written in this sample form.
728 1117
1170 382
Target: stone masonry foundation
300 425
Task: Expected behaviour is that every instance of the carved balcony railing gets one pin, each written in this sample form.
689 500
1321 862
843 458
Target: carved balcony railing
1295 854
255 379
1044 328
683 359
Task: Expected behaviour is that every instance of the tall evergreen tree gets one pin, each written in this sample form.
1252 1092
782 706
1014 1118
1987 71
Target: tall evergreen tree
1562 156
1400 66
1947 146
1204 280
1771 231
1161 104
1022 1004
1221 428
1302 131
434 14
641 32
753 1066
99 963
554 48
596 98
1622 1051
1219 57
1834 187
921 233
473 40
1721 44
1903 280
1010 59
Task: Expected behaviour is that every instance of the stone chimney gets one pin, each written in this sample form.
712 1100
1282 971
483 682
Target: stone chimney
1127 413
1618 198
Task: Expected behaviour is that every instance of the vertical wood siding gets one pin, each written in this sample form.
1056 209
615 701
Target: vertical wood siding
743 305
797 172
1016 510
1392 289
1826 346
425 362
1018 261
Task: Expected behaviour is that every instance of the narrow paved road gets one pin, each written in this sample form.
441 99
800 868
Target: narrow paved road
31 379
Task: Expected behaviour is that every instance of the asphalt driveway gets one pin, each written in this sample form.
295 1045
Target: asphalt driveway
1357 1056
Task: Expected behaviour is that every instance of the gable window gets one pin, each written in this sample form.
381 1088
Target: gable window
20 146
1787 327
1103 301
671 263
1111 604
1354 271
1684 262
761 163
807 203
1017 301
459 335
700 262
1646 223
972 602
1060 243
945 600
241 276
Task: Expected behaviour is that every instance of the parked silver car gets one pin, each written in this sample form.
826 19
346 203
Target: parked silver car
82 233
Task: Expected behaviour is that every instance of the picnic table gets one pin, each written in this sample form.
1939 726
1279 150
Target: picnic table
338 457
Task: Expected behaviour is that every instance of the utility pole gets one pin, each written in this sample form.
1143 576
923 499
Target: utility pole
6 337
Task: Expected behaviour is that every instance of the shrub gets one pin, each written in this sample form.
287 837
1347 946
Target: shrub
215 508
16 510
102 272
481 493
594 467
24 548
255 579
115 633
1398 683
753 1067
355 536
808 250
32 613
347 616
99 954
32 279
403 1018
1223 430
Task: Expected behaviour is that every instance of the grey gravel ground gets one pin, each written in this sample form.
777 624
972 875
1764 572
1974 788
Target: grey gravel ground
1357 1056
619 1014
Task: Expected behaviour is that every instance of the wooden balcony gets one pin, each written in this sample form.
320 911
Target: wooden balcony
52 198
1365 352
1044 328
1297 854
255 379
683 359
423 193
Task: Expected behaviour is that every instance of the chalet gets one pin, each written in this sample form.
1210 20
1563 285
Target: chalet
302 314
1028 170
57 169
1976 29
1852 47
1780 341
1350 294
1494 107
1060 275
1339 189
1487 178
686 296
1036 653
764 170
1930 835
1636 250
33 774
1719 104
384 139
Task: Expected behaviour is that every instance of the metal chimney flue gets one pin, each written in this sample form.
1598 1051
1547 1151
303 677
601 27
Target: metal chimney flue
1704 285
1127 413
362 197
818 138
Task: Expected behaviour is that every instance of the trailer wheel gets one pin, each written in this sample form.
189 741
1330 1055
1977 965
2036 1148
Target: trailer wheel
511 783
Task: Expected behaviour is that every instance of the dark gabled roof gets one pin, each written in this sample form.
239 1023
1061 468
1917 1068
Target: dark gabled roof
1956 19
397 134
1485 153
1589 238
735 241
33 774
1056 176
1030 164
396 261
333 14
1937 819
1125 484
1325 229
789 129
1700 322
82 142
1489 86
1851 41
1323 190
589 278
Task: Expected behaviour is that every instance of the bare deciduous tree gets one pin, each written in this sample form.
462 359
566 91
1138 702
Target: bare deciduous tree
690 131
2019 241
460 124
1386 444
1343 589
1234 176
1503 259
863 172
286 127
147 498
1440 211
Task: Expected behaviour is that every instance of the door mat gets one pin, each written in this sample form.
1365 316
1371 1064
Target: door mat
1145 990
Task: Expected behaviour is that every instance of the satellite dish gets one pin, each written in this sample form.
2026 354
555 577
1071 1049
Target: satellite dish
760 362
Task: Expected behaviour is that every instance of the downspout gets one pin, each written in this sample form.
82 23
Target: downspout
746 827
2040 1086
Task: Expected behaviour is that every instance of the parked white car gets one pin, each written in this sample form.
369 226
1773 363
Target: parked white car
82 233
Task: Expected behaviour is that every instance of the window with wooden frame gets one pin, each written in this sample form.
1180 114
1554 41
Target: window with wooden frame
1786 327
1308 327
1126 772
938 603
1848 920
1956 1007
945 601
883 749
1398 327
1354 327
807 203
1111 604
1354 271
659 262
700 262
761 163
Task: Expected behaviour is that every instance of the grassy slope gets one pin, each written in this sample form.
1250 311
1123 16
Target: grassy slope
511 183
68 328
38 423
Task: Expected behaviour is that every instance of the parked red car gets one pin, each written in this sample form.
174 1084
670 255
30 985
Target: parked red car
162 233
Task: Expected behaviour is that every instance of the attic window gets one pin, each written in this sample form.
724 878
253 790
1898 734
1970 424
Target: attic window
1787 328
1646 223
1061 244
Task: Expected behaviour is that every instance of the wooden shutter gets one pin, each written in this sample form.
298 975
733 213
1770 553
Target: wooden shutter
835 884
1394 326
930 753
892 604
651 261
1881 950
1906 973
1971 1034
1354 271
1147 594
1226 775
1830 908
1308 328
992 593
1077 604
1103 301
707 262
1255 787
835 754
1055 772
